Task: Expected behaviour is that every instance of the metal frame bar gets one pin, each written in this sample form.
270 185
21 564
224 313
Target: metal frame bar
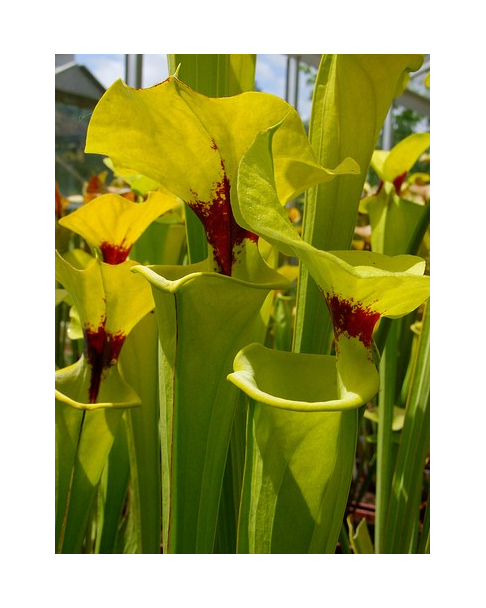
134 70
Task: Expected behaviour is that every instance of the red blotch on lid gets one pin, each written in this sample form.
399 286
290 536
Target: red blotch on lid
101 349
398 182
353 318
223 233
114 254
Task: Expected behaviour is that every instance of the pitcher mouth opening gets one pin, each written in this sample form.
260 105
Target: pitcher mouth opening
292 381
171 278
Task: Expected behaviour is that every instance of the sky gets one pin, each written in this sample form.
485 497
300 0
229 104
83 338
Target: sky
270 74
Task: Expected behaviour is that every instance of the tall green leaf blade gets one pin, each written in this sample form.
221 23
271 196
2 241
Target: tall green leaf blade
385 447
404 506
300 457
139 362
380 285
416 240
83 442
352 96
204 319
290 505
161 243
110 301
394 220
112 493
215 75
424 545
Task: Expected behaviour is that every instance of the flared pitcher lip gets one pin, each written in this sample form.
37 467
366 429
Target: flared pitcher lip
80 404
91 407
154 274
244 378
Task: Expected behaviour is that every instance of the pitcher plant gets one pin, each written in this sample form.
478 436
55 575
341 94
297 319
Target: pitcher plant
234 162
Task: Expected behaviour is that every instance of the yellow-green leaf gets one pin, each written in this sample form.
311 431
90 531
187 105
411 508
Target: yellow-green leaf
192 145
204 319
110 300
401 158
111 224
352 97
301 439
283 380
366 282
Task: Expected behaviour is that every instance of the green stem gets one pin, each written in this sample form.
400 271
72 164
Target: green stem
419 232
63 323
344 539
112 491
412 249
68 499
424 546
385 455
404 506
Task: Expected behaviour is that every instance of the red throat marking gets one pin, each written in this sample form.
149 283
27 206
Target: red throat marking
101 350
223 233
353 318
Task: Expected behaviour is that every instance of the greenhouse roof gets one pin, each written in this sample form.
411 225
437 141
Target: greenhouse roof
75 84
